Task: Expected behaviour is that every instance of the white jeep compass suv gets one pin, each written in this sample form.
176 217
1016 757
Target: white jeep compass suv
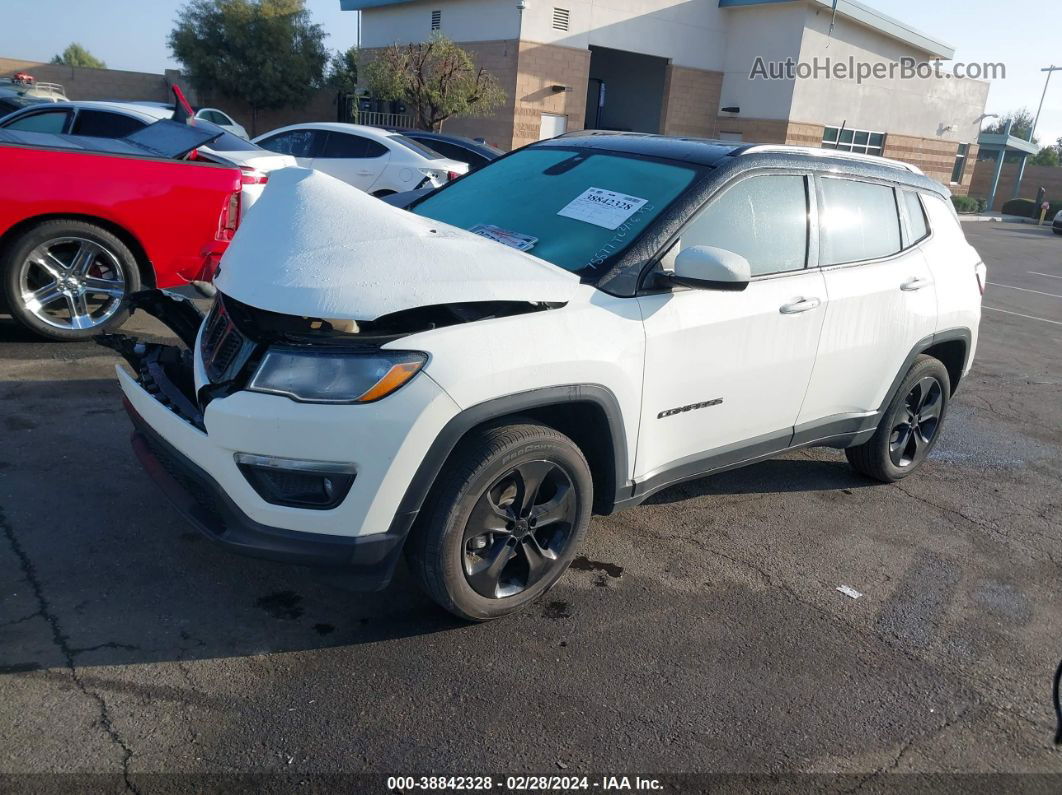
563 332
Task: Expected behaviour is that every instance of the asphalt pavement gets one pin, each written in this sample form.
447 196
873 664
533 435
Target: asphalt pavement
702 632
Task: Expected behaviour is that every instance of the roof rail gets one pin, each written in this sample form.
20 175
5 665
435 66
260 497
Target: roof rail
832 153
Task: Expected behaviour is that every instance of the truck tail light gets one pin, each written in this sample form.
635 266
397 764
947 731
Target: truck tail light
230 217
252 176
451 176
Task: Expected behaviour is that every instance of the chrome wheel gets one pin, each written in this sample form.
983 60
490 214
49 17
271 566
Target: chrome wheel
519 528
917 423
72 283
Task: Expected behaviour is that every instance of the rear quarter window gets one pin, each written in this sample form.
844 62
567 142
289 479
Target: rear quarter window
858 221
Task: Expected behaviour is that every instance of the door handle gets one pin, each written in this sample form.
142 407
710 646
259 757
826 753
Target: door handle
798 306
915 283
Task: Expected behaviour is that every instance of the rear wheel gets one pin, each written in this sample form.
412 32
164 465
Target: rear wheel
504 521
67 280
909 429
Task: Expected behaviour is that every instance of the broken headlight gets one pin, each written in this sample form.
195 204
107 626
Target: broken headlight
316 376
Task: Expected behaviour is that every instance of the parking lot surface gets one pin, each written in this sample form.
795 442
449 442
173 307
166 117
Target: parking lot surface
700 632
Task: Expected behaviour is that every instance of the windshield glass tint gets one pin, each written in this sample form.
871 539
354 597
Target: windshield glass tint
417 147
575 208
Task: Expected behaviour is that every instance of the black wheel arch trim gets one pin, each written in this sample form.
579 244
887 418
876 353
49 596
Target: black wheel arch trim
454 430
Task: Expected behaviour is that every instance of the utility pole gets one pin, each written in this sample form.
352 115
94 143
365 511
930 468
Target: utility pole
1021 169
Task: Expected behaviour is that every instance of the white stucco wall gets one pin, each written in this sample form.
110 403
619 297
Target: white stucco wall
917 107
691 33
774 33
462 20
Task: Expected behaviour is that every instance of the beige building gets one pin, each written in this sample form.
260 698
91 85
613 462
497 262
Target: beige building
684 67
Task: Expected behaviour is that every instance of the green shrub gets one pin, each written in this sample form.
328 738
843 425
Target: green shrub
966 204
1028 208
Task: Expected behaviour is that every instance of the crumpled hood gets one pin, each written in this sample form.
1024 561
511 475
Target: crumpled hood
316 247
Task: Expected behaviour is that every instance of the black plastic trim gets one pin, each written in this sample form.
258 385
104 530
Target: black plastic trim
459 425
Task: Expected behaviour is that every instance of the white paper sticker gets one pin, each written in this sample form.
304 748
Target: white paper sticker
504 236
602 207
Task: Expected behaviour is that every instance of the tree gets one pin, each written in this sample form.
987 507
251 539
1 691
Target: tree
265 52
1048 156
436 78
343 71
76 55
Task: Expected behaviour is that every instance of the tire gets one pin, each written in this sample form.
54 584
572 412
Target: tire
451 553
898 446
87 276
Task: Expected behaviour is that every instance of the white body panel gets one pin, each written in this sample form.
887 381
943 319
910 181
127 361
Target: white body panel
705 345
872 323
953 262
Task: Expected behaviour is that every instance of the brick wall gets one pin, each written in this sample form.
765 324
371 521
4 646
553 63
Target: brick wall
691 102
1034 178
320 106
935 157
803 134
84 83
540 67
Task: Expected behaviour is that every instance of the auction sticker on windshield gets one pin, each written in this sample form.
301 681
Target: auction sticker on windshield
504 236
602 207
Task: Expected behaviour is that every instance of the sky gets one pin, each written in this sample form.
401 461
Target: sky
131 34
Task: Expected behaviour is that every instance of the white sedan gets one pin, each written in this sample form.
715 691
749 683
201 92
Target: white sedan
374 160
222 120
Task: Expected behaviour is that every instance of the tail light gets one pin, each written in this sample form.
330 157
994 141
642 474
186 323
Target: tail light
230 217
451 176
252 176
981 271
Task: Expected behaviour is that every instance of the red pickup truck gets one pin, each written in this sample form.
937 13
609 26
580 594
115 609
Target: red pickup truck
86 221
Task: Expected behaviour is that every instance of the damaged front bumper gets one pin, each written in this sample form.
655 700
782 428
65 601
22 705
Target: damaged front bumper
193 453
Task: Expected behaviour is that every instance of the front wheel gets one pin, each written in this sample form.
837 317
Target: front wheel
67 280
503 522
910 427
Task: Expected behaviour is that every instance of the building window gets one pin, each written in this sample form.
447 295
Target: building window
436 20
862 142
960 163
560 18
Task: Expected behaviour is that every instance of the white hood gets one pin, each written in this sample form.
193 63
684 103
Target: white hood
317 247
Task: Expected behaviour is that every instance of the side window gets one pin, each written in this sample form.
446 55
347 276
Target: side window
452 151
916 218
218 117
345 145
764 219
52 121
101 124
298 143
859 221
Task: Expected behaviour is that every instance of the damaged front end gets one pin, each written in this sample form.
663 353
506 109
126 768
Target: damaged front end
165 371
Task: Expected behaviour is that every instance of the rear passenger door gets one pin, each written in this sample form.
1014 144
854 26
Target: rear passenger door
303 145
355 159
882 302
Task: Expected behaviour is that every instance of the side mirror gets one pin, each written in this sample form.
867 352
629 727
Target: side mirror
710 268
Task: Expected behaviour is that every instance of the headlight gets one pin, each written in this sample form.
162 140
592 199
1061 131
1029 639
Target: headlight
333 376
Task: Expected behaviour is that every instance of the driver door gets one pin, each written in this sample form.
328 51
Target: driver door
726 371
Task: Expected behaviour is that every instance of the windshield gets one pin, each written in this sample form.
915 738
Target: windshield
417 147
576 208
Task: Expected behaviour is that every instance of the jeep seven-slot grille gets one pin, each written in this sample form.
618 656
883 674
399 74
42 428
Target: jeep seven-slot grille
223 347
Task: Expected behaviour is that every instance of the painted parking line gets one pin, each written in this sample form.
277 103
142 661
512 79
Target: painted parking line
1024 289
1048 275
1019 314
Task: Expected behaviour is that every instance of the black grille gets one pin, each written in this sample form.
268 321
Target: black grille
223 347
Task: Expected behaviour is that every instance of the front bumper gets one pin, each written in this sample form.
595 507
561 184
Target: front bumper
203 502
191 454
